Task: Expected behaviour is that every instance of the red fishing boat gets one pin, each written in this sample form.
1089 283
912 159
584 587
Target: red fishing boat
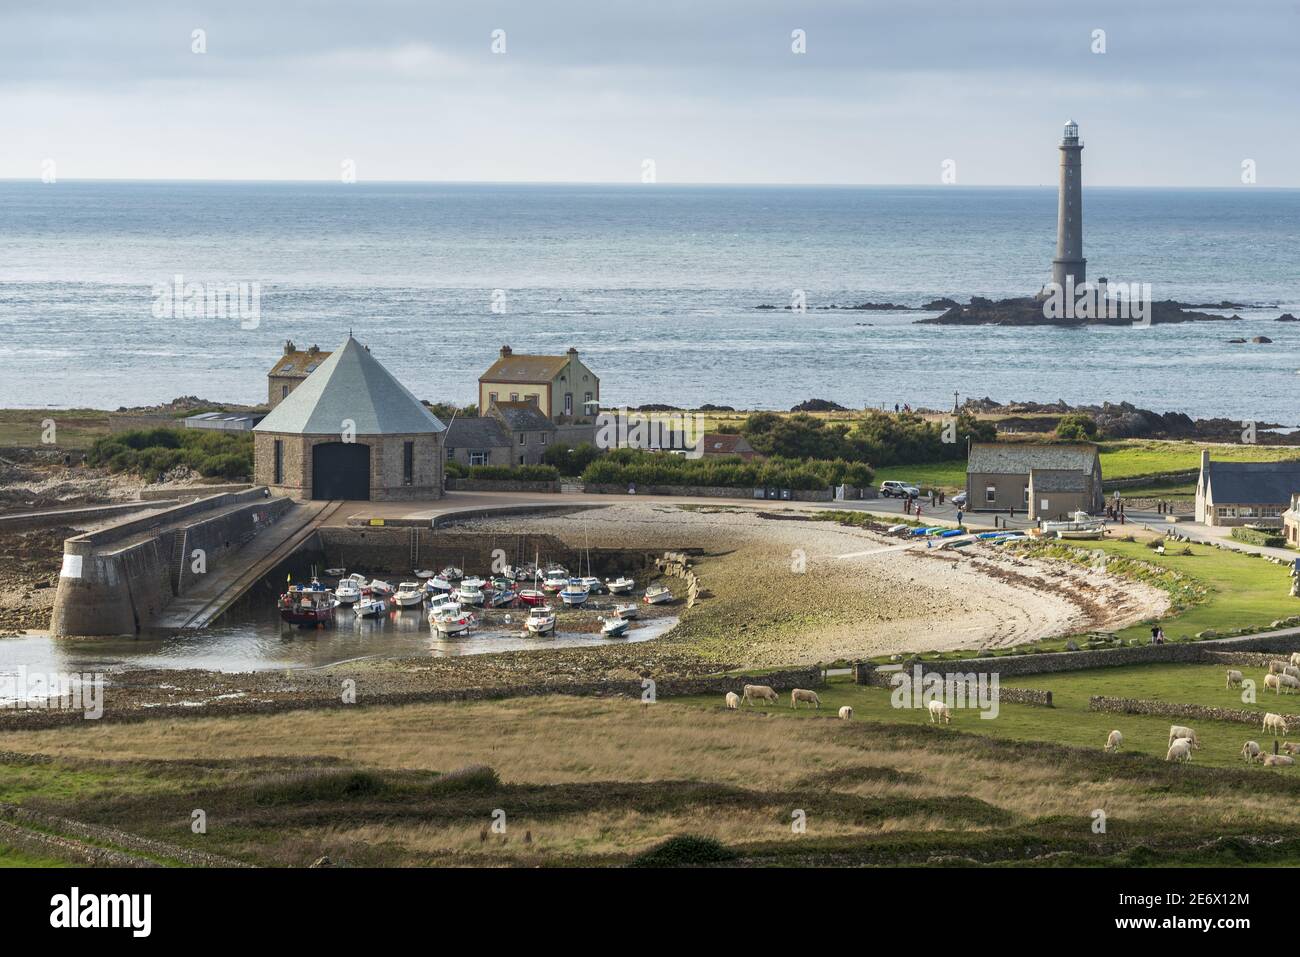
307 607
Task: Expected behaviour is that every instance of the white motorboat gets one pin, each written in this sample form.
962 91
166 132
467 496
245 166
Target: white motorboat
409 595
336 572
437 585
452 573
470 594
575 593
453 624
657 595
1080 525
371 608
620 586
555 579
593 584
540 621
347 592
629 610
380 589
424 573
614 627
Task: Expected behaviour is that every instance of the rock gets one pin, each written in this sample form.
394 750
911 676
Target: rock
1236 341
1071 645
322 862
1286 317
1260 339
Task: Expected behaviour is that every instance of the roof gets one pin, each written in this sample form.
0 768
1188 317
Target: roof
350 385
523 417
1254 483
521 368
476 432
1052 480
299 364
1018 458
725 443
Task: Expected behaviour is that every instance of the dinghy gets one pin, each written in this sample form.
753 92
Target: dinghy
614 627
657 595
629 610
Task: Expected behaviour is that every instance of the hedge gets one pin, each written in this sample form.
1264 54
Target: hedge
1267 537
154 452
632 466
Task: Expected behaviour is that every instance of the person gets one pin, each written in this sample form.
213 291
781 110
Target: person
1011 510
895 408
918 510
959 518
907 505
1160 636
1155 634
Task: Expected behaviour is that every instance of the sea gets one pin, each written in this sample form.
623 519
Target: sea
657 286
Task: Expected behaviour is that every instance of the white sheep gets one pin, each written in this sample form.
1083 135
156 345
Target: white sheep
1178 732
939 712
1276 722
1278 761
1276 667
762 692
1290 747
1289 682
1274 682
733 701
1291 670
1250 750
846 713
1180 750
1113 741
1295 657
799 694
1235 679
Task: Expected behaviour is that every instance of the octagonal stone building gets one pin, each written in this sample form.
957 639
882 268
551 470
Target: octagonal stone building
350 431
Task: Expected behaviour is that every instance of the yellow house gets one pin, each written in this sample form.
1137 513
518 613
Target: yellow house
562 387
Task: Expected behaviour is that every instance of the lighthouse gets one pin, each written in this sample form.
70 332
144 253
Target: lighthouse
1068 267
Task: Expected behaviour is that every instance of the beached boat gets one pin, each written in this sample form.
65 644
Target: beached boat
424 573
380 589
949 533
409 595
469 593
620 586
373 607
437 586
628 610
347 592
540 621
593 584
575 593
500 597
657 595
453 624
555 579
614 627
1080 525
307 607
895 529
531 596
452 573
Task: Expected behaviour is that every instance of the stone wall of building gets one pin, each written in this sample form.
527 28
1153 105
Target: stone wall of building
386 464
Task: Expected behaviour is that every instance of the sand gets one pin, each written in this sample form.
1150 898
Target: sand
787 590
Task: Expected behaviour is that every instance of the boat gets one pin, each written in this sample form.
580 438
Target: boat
336 572
620 586
951 532
657 595
423 574
531 596
1080 525
629 610
575 593
380 589
409 595
453 624
437 585
614 627
347 592
555 579
895 529
373 607
469 593
306 607
500 597
540 621
593 584
452 573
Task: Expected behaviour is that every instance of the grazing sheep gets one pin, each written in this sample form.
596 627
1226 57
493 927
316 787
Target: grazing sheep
1113 741
1180 750
799 694
762 692
1274 682
1276 667
1290 747
1295 657
1235 679
939 712
1178 732
733 701
1291 670
846 713
1289 682
1278 761
1250 750
1276 722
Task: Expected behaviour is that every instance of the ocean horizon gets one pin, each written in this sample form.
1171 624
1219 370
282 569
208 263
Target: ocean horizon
658 286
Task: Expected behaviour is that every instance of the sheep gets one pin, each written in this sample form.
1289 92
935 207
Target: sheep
1272 681
1177 732
1278 761
1250 750
733 701
1113 741
762 692
939 712
1289 682
1295 657
799 694
1276 722
1276 667
846 713
1180 750
1235 679
1291 670
1290 747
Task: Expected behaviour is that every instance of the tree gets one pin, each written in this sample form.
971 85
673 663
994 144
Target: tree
1076 427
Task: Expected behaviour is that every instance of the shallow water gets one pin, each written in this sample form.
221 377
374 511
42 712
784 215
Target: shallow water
260 642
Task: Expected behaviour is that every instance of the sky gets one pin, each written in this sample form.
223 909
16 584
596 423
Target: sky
708 91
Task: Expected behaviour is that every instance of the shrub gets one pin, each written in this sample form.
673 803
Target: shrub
1255 535
518 473
684 850
1076 427
153 452
306 787
475 777
569 461
632 466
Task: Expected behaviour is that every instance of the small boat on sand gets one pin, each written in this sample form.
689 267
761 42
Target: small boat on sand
614 627
372 607
409 595
540 621
453 624
593 584
575 593
620 586
470 593
657 595
452 573
437 585
531 596
555 579
628 611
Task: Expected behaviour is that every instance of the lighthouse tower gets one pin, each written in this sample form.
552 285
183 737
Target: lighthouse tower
1069 259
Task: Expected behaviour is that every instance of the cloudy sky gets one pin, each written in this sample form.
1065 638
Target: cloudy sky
710 90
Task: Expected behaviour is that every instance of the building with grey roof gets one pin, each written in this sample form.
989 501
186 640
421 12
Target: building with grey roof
478 440
1240 493
350 430
1039 480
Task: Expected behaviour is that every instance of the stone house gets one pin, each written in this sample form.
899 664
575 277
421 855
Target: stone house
350 431
561 387
512 433
1040 480
290 370
721 444
1291 522
1240 493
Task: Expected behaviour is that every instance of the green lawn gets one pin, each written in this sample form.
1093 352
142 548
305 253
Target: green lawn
12 857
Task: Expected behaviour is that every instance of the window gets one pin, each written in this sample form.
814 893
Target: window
586 403
284 391
521 460
514 396
1044 506
408 463
568 403
1026 494
492 397
279 463
991 494
543 437
478 458
523 438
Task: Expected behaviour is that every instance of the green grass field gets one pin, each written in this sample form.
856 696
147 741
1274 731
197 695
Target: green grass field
12 857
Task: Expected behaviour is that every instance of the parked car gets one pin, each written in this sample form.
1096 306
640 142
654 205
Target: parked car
959 500
898 490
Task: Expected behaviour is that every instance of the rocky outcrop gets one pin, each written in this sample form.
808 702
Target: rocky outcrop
1030 312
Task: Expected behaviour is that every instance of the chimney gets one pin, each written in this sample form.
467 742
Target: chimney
1205 461
289 348
572 351
505 352
314 349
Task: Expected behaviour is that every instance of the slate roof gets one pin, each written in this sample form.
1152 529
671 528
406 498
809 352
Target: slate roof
350 384
476 432
299 364
1054 481
1017 458
523 417
1253 483
726 443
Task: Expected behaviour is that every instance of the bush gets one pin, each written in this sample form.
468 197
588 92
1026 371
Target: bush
571 462
633 466
1076 427
307 787
1253 535
517 473
876 438
154 452
683 851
